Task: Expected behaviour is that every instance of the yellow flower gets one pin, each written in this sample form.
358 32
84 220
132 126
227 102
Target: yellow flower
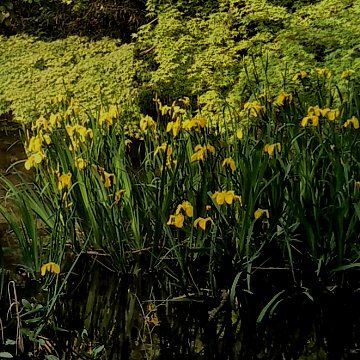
176 220
283 96
254 108
186 207
50 267
118 195
229 162
64 181
272 148
240 134
300 75
225 197
357 185
113 111
33 160
54 120
201 152
345 75
164 147
314 110
330 114
202 222
353 121
174 127
325 72
80 163
310 120
35 144
40 124
197 123
260 212
109 179
107 118
147 123
47 139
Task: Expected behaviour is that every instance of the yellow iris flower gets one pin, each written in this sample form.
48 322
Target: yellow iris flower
225 197
260 212
186 207
80 163
300 75
109 179
146 123
272 148
201 152
64 181
354 122
230 163
254 108
202 222
33 160
50 267
240 134
174 127
176 220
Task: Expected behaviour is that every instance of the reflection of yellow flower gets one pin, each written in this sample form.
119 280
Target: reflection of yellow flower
50 267
260 212
202 222
33 160
225 197
151 318
229 162
186 207
353 121
272 148
176 220
64 181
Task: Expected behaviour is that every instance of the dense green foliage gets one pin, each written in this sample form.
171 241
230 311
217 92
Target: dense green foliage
202 54
33 72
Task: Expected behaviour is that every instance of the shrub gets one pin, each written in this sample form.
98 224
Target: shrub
33 72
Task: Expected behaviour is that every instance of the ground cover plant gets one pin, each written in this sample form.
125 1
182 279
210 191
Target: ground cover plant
256 218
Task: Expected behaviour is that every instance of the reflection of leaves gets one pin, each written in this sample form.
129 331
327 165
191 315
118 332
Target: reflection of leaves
51 357
5 355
